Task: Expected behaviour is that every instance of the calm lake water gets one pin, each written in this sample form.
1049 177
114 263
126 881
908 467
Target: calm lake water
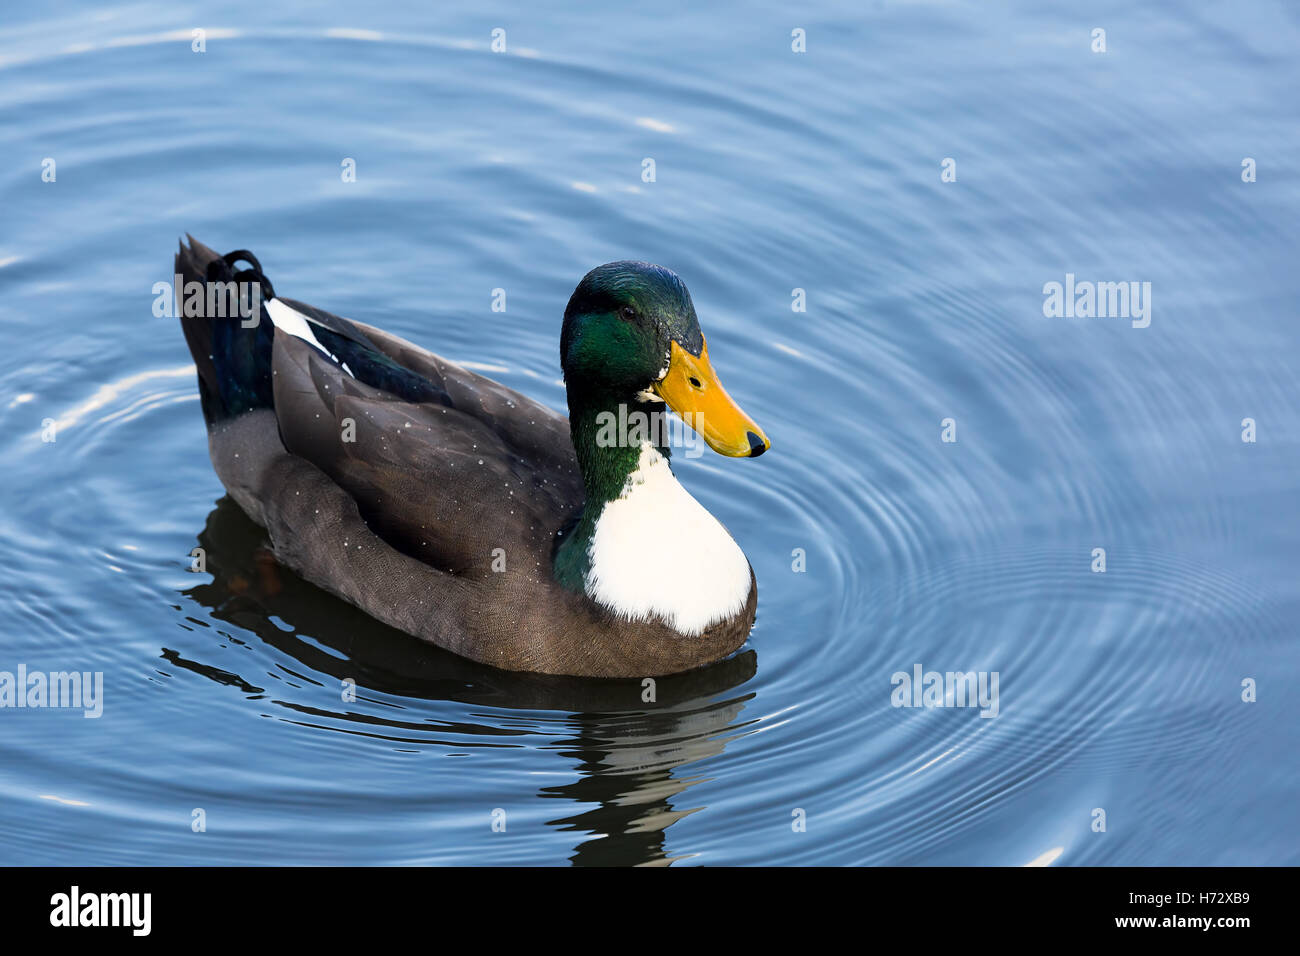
774 171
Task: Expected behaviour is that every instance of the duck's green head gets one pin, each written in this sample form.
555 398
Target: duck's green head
630 334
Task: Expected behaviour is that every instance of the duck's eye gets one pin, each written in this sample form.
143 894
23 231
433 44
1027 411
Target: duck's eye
628 312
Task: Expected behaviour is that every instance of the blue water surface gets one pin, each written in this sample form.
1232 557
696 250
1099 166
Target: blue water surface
921 171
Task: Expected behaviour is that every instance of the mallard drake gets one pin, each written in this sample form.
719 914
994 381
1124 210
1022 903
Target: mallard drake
465 513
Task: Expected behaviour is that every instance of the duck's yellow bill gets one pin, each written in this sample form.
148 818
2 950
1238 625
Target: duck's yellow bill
691 389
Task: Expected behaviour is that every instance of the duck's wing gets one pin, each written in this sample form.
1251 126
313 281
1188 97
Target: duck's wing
444 464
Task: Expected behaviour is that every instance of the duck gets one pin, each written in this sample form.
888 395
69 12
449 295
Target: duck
463 512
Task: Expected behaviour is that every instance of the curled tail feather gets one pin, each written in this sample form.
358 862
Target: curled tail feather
232 353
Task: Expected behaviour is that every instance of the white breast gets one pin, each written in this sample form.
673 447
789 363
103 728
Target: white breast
657 552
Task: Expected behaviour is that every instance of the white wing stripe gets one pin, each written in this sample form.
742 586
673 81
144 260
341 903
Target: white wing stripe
294 323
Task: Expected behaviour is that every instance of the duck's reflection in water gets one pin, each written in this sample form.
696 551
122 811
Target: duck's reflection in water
626 750
630 770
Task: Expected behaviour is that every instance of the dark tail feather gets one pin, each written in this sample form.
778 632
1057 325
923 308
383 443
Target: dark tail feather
232 352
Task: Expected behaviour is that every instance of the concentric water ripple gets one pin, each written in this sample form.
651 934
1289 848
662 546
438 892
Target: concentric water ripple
878 545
